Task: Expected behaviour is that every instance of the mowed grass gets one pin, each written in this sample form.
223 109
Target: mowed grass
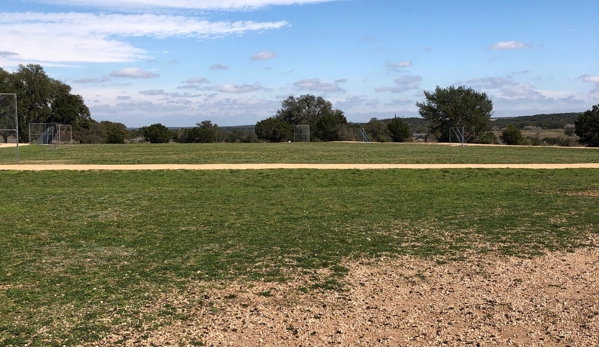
85 252
331 153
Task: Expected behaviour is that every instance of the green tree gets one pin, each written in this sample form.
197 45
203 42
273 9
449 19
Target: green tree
273 129
157 133
456 107
512 136
306 109
377 130
587 127
115 132
399 130
327 127
204 132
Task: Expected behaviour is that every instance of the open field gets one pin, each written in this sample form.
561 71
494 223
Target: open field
299 257
298 153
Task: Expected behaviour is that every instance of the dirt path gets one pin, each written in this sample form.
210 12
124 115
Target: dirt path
77 167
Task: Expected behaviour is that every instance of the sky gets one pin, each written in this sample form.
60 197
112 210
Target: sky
179 62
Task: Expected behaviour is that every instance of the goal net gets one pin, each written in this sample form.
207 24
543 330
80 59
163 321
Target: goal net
50 134
301 133
456 135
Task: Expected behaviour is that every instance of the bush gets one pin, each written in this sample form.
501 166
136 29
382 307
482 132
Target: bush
512 136
488 138
157 133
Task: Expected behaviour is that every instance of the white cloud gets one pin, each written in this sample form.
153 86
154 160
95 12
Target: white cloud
133 72
92 80
402 84
591 79
233 88
88 37
152 92
490 82
399 65
183 4
501 46
218 67
315 84
264 55
197 80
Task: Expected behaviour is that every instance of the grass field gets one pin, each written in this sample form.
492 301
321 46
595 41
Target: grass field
84 252
331 153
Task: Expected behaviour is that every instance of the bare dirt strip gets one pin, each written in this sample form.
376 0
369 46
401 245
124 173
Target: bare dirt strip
82 167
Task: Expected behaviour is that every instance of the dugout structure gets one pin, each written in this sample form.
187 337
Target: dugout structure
301 133
9 119
55 135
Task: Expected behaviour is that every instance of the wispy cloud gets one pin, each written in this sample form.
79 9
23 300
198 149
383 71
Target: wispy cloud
235 89
507 45
315 84
399 65
264 55
183 4
591 79
133 72
88 37
152 92
92 80
196 80
218 67
402 84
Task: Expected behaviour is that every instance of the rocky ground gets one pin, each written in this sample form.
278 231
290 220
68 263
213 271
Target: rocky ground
551 300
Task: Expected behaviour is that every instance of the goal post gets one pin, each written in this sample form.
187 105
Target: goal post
457 134
301 133
9 119
50 134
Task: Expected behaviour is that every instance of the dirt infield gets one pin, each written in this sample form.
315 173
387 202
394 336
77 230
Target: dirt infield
79 167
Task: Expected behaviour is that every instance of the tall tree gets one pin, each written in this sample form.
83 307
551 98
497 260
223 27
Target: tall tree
157 133
328 125
587 127
306 109
273 129
399 130
456 107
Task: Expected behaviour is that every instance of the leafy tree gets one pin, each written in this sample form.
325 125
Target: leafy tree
157 133
512 136
587 127
205 132
273 129
399 130
377 130
115 132
306 109
42 99
328 125
325 122
456 107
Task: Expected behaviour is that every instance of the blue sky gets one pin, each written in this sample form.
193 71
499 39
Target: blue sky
141 62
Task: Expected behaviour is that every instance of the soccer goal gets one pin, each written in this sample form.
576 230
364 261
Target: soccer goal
52 134
301 133
362 136
456 134
9 119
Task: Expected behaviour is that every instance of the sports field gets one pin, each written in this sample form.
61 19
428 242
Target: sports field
299 257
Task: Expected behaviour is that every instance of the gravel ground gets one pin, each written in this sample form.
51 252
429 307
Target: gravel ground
551 300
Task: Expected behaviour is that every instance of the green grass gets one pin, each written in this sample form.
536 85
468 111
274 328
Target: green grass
82 252
295 153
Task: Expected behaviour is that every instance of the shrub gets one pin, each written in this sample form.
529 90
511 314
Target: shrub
512 136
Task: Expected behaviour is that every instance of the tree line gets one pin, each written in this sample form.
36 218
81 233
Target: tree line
41 99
